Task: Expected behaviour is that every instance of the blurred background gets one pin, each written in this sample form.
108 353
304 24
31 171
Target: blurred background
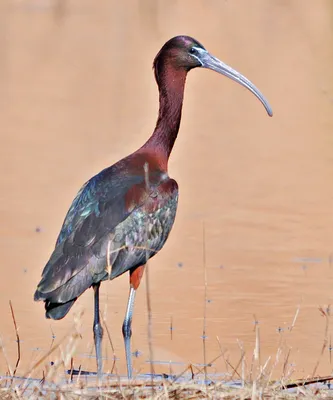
77 93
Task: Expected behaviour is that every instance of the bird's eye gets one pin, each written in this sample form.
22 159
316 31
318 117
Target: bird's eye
193 50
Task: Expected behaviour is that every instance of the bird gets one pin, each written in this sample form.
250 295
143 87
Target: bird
122 216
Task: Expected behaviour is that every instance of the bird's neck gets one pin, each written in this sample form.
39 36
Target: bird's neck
171 83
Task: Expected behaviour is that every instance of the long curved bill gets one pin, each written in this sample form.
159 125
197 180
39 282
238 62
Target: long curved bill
213 63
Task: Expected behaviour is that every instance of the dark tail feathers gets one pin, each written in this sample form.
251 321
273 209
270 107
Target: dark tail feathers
58 310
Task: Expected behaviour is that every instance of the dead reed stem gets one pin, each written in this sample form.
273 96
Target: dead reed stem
53 336
9 368
295 318
305 382
235 369
228 363
114 367
17 339
149 311
204 328
326 314
209 364
285 364
279 350
257 345
254 390
222 353
240 344
108 264
255 360
182 373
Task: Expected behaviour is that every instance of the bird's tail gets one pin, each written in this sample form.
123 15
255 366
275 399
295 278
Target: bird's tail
58 310
59 301
54 310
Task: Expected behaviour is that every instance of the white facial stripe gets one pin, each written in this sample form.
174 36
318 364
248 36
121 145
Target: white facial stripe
199 51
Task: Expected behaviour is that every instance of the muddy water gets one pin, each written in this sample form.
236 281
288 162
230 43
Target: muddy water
77 94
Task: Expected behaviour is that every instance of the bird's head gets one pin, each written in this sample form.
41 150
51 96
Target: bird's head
183 53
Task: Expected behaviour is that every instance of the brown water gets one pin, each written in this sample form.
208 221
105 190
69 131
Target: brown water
77 94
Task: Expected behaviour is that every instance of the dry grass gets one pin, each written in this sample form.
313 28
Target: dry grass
163 390
241 381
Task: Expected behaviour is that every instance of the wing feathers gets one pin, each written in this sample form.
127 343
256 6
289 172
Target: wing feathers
106 220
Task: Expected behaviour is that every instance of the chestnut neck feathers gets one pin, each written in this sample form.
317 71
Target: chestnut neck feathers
170 79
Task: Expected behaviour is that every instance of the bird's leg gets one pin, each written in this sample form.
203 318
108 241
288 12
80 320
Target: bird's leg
135 278
127 331
98 331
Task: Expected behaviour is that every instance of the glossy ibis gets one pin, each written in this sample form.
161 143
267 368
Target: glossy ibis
122 216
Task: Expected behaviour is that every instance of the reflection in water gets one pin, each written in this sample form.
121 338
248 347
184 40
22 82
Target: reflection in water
81 94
